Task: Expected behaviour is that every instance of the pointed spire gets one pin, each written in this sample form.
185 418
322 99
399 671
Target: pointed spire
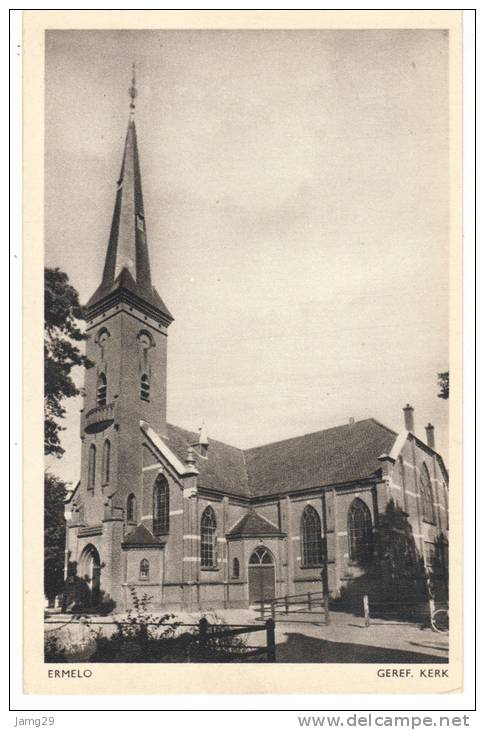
127 264
132 90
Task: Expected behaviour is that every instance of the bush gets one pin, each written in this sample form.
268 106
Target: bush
53 650
141 636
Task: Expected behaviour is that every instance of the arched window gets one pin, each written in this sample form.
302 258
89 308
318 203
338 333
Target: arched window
311 537
145 339
208 539
131 508
92 467
144 388
101 390
261 556
360 532
160 506
235 568
144 569
426 491
106 461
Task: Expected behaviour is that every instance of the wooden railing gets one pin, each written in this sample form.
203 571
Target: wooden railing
203 642
306 601
212 632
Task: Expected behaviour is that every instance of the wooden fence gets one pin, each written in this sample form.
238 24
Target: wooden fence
209 633
302 601
203 641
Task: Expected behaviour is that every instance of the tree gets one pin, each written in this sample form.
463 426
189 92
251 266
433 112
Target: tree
54 535
62 312
444 385
399 551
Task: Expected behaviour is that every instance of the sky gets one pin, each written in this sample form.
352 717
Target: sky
296 201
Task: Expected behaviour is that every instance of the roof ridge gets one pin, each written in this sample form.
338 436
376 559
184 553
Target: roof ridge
311 433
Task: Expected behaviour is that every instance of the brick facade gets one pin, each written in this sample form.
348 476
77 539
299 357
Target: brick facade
256 498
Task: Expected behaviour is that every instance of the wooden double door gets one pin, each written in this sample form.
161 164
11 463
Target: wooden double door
261 576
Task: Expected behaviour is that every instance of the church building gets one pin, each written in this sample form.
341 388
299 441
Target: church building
197 523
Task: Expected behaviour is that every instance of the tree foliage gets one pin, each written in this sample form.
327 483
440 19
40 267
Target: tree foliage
398 544
54 535
63 313
444 385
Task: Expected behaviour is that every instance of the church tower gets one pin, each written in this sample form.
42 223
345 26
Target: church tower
127 325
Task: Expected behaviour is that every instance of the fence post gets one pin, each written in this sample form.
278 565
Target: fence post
309 599
270 641
262 608
203 626
273 609
366 611
326 609
287 608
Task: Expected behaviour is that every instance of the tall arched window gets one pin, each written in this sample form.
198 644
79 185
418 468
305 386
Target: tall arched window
208 539
426 491
144 387
101 390
131 508
160 506
144 569
106 461
360 532
311 537
235 568
92 467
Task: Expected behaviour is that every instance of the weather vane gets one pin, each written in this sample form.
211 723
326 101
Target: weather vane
132 90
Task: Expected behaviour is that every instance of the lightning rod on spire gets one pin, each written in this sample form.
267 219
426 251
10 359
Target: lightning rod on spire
132 90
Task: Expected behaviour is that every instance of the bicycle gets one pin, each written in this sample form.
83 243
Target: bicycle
440 620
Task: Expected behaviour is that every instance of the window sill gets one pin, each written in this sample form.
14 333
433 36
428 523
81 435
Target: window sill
310 567
209 570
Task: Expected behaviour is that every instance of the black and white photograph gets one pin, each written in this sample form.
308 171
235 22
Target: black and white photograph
251 357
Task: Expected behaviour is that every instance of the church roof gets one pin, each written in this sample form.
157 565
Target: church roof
223 469
253 525
127 264
141 535
333 456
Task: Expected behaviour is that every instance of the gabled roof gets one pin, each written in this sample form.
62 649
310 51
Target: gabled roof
141 535
166 452
333 456
254 525
401 440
